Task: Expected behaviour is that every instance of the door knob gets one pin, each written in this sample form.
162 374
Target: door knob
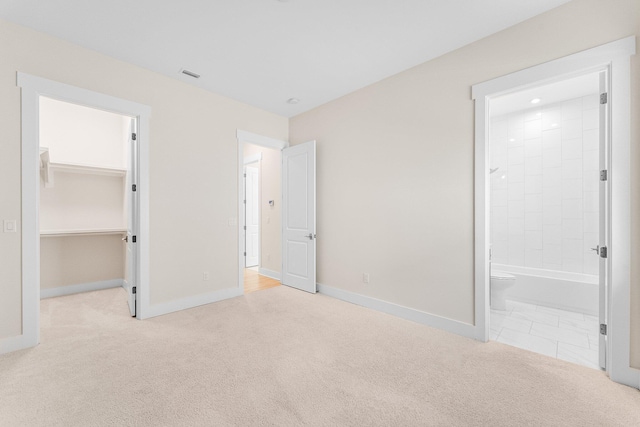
597 249
311 236
125 239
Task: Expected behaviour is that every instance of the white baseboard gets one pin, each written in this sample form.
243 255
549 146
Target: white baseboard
269 273
194 301
20 342
82 287
449 325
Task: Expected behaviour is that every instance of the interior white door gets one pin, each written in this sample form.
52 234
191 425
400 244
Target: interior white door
603 219
132 209
299 216
252 217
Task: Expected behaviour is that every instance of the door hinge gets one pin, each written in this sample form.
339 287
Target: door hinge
133 239
133 290
134 187
133 136
604 175
245 175
603 252
245 254
244 201
604 98
245 227
603 329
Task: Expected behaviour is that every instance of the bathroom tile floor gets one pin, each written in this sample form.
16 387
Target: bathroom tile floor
557 333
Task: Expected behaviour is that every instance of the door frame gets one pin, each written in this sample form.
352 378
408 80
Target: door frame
245 137
250 160
613 57
32 88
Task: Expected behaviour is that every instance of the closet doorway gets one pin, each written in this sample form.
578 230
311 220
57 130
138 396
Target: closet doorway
33 90
88 202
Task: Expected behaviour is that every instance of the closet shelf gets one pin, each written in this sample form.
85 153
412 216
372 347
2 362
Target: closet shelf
49 168
85 232
87 169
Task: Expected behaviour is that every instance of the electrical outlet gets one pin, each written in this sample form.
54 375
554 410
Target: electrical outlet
10 226
365 277
205 275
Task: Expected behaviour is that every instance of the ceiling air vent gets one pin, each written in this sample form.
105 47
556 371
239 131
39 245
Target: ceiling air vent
191 74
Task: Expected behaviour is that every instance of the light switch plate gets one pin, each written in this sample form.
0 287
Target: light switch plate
10 226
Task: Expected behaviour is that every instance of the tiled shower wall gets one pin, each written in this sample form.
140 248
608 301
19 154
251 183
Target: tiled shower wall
544 194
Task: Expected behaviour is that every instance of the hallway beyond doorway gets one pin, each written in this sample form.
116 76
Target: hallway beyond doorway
257 282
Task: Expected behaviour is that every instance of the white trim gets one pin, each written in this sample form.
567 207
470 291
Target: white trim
619 310
263 141
453 326
193 301
20 342
254 158
613 57
32 88
269 273
556 70
82 287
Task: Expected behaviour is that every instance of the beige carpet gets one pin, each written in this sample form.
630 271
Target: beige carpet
287 358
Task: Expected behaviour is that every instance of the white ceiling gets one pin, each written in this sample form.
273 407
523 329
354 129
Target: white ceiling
264 52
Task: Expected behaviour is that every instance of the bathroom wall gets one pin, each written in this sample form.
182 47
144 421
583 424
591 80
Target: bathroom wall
544 195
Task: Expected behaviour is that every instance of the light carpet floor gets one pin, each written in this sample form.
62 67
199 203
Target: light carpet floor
283 357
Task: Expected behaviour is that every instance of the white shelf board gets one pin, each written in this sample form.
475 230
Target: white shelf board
48 168
87 169
85 232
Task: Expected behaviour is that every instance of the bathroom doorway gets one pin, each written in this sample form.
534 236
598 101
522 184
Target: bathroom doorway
612 61
547 228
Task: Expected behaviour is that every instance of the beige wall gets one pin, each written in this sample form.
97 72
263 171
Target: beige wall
82 202
75 260
395 164
270 220
193 164
80 135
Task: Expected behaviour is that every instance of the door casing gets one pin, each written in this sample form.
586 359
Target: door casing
249 204
32 88
614 58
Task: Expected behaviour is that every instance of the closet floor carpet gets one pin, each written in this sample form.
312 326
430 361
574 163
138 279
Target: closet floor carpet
287 358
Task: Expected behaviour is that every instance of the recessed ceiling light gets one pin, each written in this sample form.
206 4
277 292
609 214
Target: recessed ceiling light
190 73
293 101
512 140
535 100
538 114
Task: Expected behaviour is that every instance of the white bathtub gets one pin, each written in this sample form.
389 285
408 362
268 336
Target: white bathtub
558 289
